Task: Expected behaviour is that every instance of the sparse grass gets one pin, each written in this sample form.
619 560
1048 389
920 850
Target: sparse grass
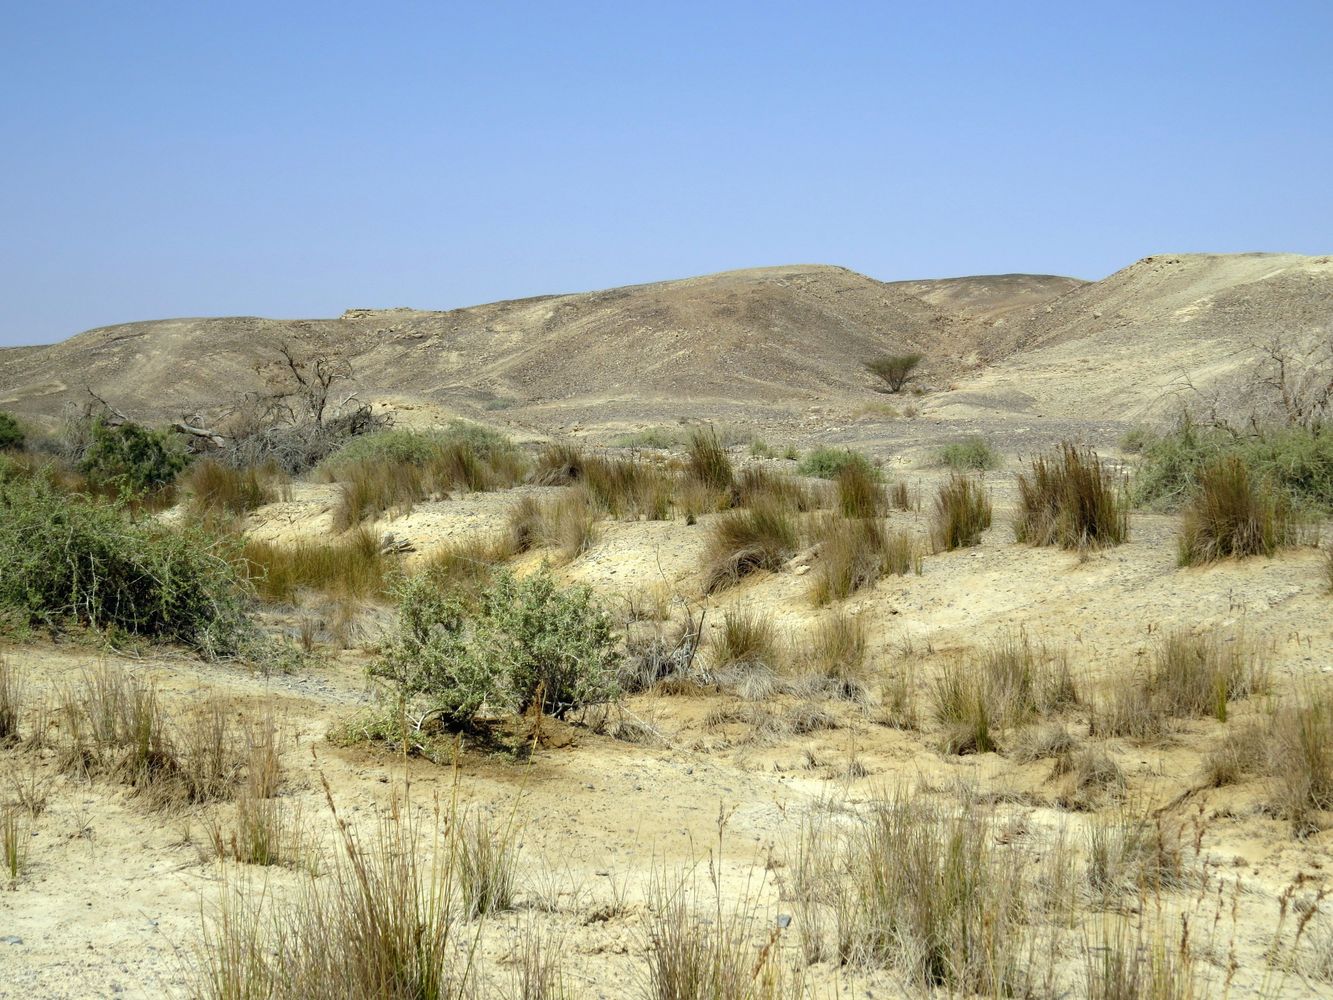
487 861
567 523
859 493
468 563
708 956
856 552
1010 682
1124 963
836 654
13 842
970 454
1046 741
661 438
826 463
1070 500
386 923
11 703
708 462
1197 675
1129 710
1131 854
1229 515
352 567
1086 777
624 488
927 892
760 537
1328 568
1301 760
1242 752
218 488
962 513
900 497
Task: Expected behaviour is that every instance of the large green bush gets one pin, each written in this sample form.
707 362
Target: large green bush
1295 462
516 641
69 558
11 432
826 463
131 457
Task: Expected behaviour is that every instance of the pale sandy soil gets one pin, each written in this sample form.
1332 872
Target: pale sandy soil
111 901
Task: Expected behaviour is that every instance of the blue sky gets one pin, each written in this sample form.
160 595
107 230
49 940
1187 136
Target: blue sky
296 159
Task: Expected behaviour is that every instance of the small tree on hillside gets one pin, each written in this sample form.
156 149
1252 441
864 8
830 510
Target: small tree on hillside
11 432
894 369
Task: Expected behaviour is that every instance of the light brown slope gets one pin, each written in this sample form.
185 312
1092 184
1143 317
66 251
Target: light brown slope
757 335
1127 347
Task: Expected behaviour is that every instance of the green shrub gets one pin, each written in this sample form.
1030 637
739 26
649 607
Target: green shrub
1297 463
962 513
1230 515
12 437
518 640
130 457
827 463
81 559
971 453
894 369
1070 500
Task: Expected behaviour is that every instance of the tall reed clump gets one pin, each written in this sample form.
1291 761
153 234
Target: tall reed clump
1071 500
350 567
627 488
1124 962
567 523
218 488
1229 515
757 484
962 512
1198 675
741 542
856 552
387 922
708 462
927 892
860 494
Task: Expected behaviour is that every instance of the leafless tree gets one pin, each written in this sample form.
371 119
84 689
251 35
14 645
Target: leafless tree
1298 376
302 384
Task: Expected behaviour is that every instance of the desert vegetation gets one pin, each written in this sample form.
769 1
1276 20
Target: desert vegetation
895 369
1071 500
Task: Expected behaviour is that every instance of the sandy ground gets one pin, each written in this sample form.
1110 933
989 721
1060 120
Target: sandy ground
111 901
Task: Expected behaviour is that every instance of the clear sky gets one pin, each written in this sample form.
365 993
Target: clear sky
294 159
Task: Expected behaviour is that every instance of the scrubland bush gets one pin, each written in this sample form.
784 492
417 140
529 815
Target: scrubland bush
515 642
962 512
826 463
1070 500
1295 462
855 553
79 559
131 458
1231 516
12 437
760 537
895 369
969 454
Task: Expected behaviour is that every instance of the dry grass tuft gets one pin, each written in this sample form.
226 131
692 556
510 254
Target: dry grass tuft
748 638
708 461
1072 501
1232 516
352 567
1197 675
860 494
217 488
901 498
962 513
567 523
1301 761
836 655
1123 963
761 537
11 703
487 858
759 485
855 553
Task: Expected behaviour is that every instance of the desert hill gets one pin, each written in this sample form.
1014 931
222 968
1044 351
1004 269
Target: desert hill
754 335
759 342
